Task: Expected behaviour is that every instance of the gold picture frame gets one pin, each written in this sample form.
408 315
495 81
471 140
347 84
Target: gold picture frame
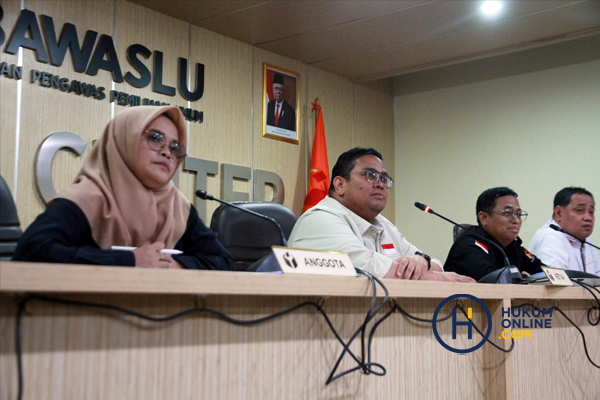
281 97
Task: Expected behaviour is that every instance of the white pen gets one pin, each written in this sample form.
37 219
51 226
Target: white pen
171 251
164 251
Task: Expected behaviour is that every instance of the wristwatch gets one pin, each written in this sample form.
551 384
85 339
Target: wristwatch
425 256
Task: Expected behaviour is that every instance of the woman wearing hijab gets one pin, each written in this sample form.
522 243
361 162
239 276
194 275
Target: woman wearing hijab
124 196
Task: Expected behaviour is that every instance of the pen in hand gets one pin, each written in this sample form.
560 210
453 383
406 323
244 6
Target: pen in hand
164 251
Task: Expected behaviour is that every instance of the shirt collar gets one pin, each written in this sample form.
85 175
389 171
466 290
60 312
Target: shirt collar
572 240
362 224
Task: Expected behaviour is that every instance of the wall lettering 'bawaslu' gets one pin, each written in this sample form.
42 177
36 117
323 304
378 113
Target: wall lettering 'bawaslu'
94 55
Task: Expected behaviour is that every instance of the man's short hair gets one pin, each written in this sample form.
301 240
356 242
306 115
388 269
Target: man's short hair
563 197
347 161
487 200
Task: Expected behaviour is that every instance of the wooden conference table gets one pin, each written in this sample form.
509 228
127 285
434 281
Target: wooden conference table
72 352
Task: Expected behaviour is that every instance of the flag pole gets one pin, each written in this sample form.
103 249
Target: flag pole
317 107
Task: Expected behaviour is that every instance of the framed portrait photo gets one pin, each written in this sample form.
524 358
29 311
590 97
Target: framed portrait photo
281 97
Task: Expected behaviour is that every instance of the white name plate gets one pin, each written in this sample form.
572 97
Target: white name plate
557 276
298 261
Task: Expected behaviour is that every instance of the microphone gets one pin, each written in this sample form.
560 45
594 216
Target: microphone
423 207
583 241
204 195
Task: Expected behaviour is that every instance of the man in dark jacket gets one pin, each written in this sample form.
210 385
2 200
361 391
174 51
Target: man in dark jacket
499 218
279 112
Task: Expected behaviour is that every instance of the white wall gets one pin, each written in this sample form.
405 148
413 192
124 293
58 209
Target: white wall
535 133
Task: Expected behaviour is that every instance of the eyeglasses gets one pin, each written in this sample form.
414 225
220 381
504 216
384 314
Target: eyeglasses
374 176
510 215
157 141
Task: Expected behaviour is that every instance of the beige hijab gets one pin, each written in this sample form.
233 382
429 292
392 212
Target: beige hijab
121 211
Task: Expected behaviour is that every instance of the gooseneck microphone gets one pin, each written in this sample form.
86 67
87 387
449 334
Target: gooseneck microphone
583 241
204 195
423 207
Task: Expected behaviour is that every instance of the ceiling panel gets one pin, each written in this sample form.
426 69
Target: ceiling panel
417 23
276 20
368 40
466 45
194 10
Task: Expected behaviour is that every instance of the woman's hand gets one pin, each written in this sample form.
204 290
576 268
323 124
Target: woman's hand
149 256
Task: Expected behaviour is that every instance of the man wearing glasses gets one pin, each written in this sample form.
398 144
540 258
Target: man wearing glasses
499 218
348 221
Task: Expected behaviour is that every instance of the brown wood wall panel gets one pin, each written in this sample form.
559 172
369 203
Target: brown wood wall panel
48 110
577 379
286 159
76 353
157 32
87 353
232 101
337 102
374 127
8 100
79 353
225 135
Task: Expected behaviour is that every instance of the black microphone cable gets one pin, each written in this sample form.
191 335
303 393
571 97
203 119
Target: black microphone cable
593 308
318 306
366 367
572 323
393 308
406 314
512 344
582 336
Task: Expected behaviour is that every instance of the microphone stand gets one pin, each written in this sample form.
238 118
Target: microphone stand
583 241
423 207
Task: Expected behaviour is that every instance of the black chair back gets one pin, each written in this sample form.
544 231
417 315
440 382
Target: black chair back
457 231
10 226
247 237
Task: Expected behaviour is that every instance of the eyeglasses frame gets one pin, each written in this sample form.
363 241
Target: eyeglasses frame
523 214
147 133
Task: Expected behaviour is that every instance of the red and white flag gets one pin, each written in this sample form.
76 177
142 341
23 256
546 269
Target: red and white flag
388 248
484 247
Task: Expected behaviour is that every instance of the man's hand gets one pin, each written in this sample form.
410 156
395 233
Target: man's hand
409 267
149 256
447 277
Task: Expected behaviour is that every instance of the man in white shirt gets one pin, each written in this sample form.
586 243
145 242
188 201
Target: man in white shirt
348 220
574 213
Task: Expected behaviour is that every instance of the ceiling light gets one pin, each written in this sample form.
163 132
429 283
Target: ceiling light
491 7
